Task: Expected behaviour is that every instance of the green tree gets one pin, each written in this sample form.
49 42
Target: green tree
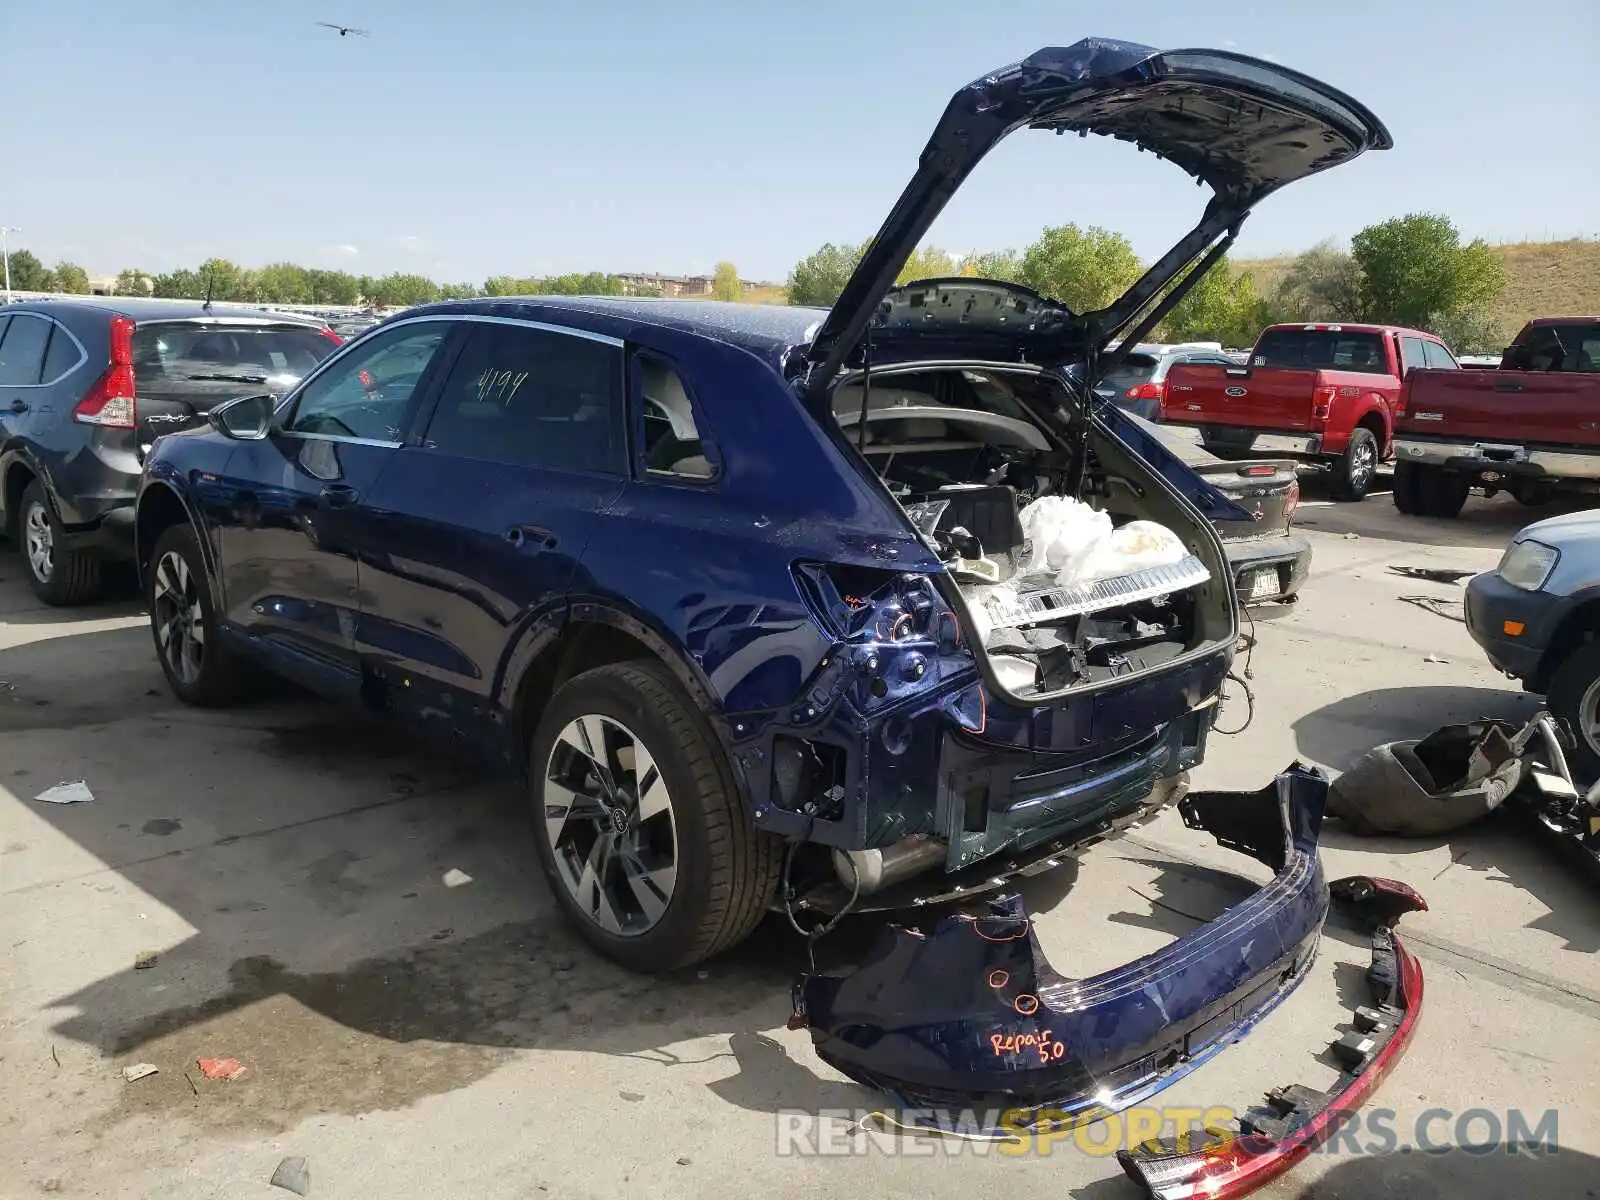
1322 284
725 283
283 283
1472 331
28 274
69 277
133 282
457 291
1415 271
333 287
182 283
1004 265
927 262
818 278
1221 307
1085 269
403 290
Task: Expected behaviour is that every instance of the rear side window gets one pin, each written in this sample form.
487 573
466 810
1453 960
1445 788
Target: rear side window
1321 350
533 397
171 353
1438 356
1412 353
672 444
1545 348
61 355
22 350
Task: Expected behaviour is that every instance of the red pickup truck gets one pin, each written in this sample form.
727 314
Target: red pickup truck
1531 428
1321 392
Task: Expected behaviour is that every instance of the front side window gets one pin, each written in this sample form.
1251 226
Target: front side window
1439 357
22 351
368 393
1412 353
533 397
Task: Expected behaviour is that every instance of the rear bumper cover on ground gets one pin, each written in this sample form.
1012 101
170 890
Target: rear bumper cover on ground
970 1014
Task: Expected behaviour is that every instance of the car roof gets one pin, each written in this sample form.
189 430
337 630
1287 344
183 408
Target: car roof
144 309
766 330
1355 327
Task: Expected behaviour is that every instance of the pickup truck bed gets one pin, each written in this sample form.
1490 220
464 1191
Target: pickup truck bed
1531 432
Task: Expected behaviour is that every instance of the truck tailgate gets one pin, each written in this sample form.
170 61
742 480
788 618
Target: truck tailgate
1240 397
1537 407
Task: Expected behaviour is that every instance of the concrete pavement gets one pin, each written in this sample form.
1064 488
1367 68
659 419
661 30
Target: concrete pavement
285 861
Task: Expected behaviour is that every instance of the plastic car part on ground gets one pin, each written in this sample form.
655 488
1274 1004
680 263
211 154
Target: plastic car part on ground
970 1015
1446 780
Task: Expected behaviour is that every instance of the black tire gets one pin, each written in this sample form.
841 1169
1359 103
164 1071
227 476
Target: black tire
1574 700
1442 494
59 577
1408 488
726 871
1357 467
172 594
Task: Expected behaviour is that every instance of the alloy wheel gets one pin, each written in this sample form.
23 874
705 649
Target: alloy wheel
1364 462
178 618
39 539
1589 717
611 826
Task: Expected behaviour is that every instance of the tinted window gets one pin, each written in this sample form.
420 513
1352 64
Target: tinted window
1438 356
1411 353
1321 350
1134 369
63 354
368 392
533 398
22 351
1545 348
671 435
177 352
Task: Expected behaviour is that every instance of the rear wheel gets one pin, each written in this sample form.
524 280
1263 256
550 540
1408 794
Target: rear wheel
58 576
1408 488
645 841
1441 494
1357 467
183 621
1574 697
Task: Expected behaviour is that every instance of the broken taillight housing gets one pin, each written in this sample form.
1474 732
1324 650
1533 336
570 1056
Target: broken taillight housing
109 402
865 604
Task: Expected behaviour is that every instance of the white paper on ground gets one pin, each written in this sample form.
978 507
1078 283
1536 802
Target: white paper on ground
75 792
454 878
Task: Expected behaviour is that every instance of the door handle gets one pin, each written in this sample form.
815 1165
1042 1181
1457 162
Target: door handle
337 495
17 406
1507 385
530 535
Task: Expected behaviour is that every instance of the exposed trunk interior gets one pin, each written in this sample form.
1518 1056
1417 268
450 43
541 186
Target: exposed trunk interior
1063 587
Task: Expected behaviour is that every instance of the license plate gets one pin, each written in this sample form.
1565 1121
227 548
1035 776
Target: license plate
1263 584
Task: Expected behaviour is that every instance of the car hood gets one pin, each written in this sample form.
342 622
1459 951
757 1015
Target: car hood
1567 528
1243 126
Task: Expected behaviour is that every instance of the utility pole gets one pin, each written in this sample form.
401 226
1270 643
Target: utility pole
5 254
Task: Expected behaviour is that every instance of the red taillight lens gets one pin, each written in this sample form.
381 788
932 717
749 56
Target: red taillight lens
1292 499
1145 391
1322 402
331 336
110 402
1258 469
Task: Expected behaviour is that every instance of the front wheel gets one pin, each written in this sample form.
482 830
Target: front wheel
646 842
1357 467
1574 697
183 621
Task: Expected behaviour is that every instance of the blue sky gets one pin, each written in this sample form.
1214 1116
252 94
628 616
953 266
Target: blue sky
481 137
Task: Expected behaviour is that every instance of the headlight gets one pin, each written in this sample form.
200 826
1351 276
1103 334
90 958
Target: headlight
1527 565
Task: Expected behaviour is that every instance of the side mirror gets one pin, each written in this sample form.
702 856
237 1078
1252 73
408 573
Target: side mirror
245 418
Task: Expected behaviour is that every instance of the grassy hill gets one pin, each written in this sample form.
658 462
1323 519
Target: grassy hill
1542 279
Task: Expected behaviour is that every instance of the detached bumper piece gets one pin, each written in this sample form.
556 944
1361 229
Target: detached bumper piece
1297 1119
970 1015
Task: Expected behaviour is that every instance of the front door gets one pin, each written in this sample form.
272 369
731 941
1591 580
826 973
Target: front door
285 505
472 538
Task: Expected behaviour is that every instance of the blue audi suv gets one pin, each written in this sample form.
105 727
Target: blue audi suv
836 609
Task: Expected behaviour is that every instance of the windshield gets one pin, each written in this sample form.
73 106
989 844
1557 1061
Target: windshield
178 352
1321 350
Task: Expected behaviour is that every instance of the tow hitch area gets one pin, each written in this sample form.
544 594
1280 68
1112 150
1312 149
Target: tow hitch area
1298 1119
968 1015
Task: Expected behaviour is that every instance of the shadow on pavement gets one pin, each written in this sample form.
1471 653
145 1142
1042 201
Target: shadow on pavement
1484 524
1487 1172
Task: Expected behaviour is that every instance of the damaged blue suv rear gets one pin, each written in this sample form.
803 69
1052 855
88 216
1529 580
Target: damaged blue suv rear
834 610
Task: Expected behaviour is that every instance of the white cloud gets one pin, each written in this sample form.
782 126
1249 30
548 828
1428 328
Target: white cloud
408 241
341 251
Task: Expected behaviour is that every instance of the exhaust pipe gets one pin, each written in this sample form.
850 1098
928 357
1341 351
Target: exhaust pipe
869 871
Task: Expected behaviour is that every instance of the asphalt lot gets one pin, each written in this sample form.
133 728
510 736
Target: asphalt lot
411 1039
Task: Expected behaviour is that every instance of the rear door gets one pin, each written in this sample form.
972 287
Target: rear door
284 506
473 534
183 369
